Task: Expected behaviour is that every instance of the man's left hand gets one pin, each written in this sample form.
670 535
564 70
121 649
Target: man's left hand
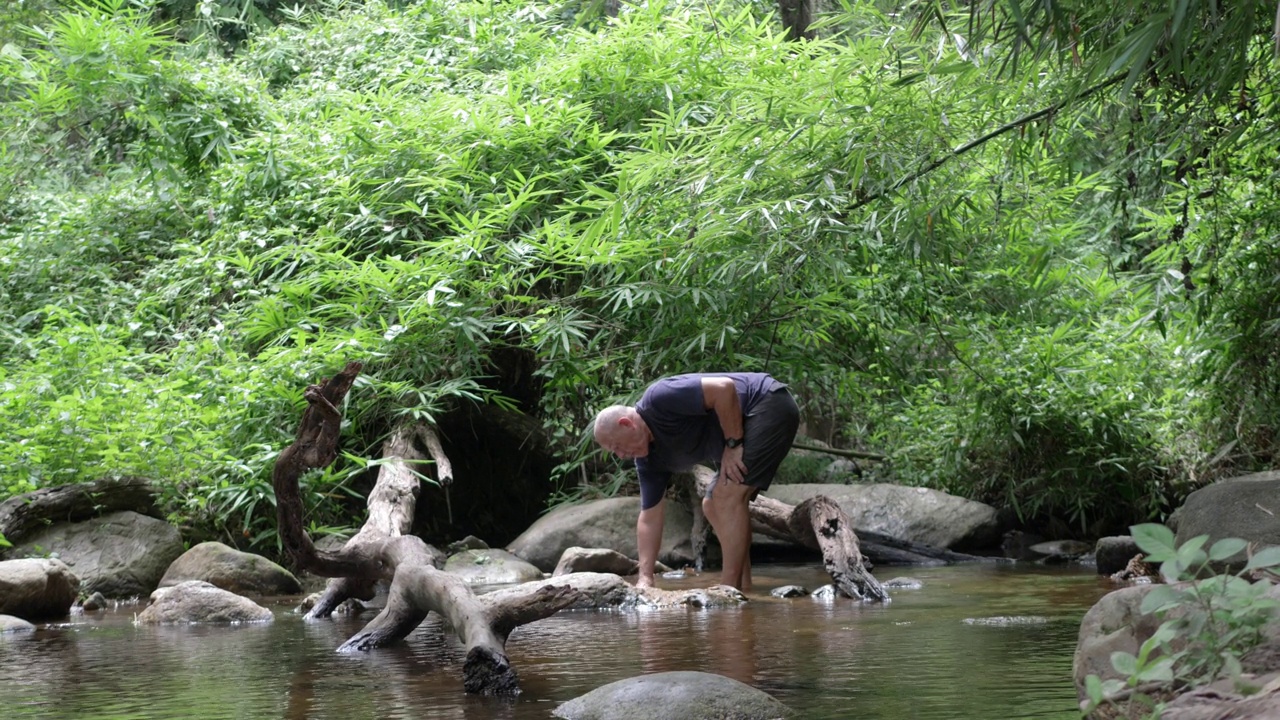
731 466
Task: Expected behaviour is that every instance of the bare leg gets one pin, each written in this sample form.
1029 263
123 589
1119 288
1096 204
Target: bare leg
727 511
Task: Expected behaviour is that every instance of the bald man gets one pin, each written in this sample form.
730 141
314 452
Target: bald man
743 423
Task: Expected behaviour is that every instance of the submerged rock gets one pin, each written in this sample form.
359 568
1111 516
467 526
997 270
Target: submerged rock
675 696
789 591
903 583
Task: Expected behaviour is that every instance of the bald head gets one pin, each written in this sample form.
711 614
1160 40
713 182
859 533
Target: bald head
620 430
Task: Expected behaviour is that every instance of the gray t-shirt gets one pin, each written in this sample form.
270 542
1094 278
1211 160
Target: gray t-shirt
685 431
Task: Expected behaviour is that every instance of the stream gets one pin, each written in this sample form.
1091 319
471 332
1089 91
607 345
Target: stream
980 642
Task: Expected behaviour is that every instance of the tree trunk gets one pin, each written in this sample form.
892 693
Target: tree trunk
20 515
383 549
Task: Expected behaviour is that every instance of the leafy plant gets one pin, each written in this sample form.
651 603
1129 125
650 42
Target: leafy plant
1212 620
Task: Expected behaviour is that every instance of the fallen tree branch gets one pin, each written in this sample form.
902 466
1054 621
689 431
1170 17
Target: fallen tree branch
385 549
860 454
22 515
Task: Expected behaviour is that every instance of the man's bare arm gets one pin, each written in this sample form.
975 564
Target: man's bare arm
721 395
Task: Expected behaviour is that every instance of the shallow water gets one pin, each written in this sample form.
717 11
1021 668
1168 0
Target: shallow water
947 651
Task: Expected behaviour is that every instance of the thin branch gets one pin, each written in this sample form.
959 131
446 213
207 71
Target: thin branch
842 453
1007 127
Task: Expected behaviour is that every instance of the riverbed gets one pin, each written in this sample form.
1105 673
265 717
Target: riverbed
978 642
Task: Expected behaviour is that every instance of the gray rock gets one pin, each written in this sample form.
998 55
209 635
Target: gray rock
10 624
121 554
789 591
470 542
921 515
37 588
1246 507
1114 553
195 601
491 567
94 602
232 570
842 471
609 523
675 696
903 583
579 559
1061 548
826 592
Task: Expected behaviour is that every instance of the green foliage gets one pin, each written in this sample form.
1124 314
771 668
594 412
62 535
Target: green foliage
1025 281
1211 620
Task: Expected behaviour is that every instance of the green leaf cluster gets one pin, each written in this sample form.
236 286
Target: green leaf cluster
1212 620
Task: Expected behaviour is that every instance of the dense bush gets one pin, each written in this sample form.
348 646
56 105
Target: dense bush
1029 283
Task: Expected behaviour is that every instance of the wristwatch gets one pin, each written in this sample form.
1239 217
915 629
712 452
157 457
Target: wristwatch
733 442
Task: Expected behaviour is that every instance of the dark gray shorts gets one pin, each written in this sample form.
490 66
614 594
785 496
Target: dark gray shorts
768 432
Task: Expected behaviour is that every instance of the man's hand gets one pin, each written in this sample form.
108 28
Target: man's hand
731 466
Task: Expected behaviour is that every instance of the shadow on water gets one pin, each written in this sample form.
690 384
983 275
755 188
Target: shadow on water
975 642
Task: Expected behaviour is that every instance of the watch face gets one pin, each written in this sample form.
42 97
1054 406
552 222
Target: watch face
732 442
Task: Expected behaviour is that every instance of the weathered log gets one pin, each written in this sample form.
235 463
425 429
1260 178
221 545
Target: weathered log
384 549
23 514
818 523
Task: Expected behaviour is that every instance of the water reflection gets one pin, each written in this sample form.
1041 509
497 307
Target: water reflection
913 658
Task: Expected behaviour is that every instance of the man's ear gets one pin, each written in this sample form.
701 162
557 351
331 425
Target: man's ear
626 422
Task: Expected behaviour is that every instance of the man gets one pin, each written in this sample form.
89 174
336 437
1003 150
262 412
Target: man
745 422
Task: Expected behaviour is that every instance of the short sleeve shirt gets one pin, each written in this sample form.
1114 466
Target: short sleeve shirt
685 431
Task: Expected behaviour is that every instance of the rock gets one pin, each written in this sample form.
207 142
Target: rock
789 591
470 542
610 524
1114 553
903 583
1246 507
1061 548
842 471
122 554
10 624
675 696
826 592
196 601
1008 620
1222 700
94 602
491 567
919 515
579 559
232 570
37 588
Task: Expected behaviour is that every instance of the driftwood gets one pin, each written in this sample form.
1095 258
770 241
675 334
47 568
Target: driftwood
817 523
22 515
383 550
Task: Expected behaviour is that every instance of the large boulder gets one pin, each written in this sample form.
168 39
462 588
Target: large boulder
610 524
232 570
37 588
919 515
121 554
490 567
680 695
1246 507
195 601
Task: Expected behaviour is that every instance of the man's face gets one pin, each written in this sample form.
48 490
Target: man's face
627 440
